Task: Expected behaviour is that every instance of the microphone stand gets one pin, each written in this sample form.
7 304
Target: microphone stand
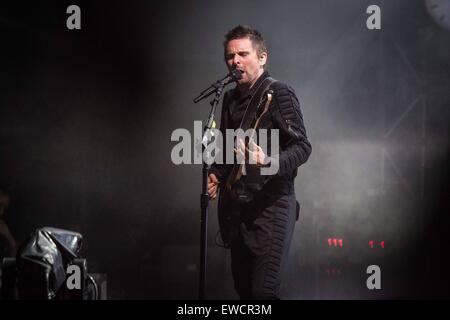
204 197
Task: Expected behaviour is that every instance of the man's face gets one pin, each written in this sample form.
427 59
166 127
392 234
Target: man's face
242 55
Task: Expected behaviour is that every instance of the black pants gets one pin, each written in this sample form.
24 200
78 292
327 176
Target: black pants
260 250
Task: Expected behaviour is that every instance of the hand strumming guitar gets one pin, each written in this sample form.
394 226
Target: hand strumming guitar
253 154
213 184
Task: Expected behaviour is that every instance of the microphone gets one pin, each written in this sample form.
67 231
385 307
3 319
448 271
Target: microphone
234 75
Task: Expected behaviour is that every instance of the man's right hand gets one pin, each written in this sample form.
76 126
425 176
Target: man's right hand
213 184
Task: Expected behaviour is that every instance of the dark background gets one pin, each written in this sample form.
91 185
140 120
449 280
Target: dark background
86 118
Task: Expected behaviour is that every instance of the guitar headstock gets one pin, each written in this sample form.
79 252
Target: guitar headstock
265 102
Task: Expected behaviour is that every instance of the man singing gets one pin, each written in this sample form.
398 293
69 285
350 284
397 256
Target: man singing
257 213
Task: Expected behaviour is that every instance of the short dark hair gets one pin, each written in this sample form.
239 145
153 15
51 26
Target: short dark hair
241 32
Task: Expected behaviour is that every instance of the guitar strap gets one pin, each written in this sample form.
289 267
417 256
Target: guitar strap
254 103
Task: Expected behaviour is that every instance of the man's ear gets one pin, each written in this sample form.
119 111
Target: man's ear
262 58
